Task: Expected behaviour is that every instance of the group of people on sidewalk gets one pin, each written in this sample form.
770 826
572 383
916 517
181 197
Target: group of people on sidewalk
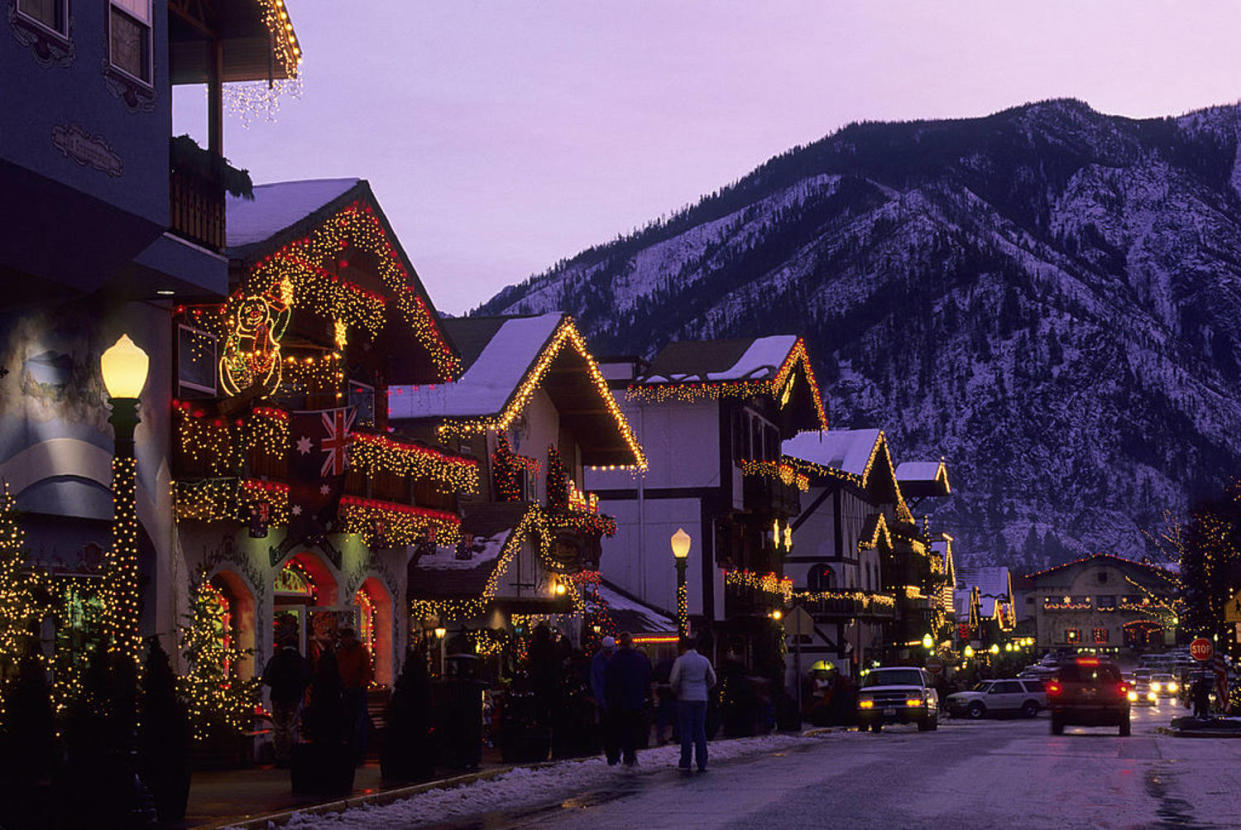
334 690
620 679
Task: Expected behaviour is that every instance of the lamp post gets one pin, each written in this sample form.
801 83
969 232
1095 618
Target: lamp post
124 367
680 553
441 634
928 642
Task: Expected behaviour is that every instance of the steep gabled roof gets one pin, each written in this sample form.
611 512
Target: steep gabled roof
861 454
848 450
509 358
279 208
294 234
712 369
923 479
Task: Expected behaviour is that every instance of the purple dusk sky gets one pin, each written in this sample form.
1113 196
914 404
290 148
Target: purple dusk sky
500 137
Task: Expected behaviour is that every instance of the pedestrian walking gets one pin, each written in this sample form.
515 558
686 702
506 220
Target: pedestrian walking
288 674
691 679
627 681
354 664
598 687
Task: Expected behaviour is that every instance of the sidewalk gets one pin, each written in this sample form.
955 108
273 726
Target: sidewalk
242 797
219 798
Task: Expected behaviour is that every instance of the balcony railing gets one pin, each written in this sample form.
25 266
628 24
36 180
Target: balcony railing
196 209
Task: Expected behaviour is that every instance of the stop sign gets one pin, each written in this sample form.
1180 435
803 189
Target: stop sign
1201 649
934 665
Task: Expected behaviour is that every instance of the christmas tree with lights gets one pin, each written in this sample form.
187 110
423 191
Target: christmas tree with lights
219 702
19 608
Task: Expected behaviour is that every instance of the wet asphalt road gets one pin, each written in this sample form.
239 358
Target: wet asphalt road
987 774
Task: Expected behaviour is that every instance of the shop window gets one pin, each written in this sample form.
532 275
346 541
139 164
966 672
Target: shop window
1073 636
1100 635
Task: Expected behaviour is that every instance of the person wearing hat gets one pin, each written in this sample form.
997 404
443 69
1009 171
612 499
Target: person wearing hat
598 687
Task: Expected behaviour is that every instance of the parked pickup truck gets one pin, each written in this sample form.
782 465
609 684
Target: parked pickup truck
1024 696
898 694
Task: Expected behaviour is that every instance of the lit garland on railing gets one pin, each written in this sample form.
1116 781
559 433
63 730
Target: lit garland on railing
719 389
229 499
565 334
377 453
869 601
314 375
335 299
768 583
588 523
213 442
777 471
404 524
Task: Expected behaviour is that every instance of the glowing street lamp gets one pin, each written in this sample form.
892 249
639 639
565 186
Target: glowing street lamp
124 367
995 649
969 652
441 634
928 642
680 553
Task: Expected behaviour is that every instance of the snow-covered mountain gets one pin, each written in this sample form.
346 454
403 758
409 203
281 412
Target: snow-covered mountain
1048 296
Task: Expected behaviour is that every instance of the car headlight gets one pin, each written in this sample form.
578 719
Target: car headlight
865 704
1154 687
1172 687
1151 695
1133 696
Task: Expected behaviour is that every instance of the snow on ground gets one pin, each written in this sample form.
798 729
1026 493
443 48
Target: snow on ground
528 787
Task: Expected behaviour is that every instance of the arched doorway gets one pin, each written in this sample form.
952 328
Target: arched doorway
1143 634
303 583
234 616
375 627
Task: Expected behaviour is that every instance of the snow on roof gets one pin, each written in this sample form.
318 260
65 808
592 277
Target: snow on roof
652 619
918 470
761 360
278 206
445 558
847 450
487 385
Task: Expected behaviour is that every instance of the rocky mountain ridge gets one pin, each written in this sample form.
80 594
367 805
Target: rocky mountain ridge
1049 297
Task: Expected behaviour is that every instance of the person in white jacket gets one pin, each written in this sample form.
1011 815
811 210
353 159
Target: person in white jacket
691 679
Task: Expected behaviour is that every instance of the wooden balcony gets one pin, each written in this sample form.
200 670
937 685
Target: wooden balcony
196 209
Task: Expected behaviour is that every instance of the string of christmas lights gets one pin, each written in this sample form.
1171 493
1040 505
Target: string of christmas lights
300 263
776 471
230 499
566 335
775 386
403 524
121 570
377 453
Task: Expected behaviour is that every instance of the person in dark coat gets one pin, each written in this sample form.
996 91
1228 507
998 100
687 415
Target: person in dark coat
544 674
288 674
1200 693
598 687
628 680
407 751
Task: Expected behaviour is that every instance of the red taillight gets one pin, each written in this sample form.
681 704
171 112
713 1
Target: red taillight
1124 689
1054 688
1087 661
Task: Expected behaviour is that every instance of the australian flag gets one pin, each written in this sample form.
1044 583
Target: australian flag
318 460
